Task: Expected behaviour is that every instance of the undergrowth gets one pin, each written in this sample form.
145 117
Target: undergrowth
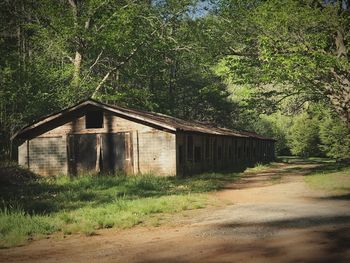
41 206
259 167
333 178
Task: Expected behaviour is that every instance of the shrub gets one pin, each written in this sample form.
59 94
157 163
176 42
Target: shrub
304 136
335 137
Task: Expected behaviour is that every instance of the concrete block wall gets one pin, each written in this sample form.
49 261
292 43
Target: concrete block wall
152 152
47 156
155 153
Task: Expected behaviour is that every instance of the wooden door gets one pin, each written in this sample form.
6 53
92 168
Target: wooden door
107 152
113 152
82 153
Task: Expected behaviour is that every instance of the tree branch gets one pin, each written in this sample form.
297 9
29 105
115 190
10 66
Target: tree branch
121 64
96 61
104 79
241 54
112 16
74 6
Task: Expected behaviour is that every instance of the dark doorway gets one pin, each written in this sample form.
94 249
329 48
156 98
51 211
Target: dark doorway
108 153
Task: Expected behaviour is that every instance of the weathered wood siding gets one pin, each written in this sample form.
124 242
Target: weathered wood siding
198 153
147 148
153 150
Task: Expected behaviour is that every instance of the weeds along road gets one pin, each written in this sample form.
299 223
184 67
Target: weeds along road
270 216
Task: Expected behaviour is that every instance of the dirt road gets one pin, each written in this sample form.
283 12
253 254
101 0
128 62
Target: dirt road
273 217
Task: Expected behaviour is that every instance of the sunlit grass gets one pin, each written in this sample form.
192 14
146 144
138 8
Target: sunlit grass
332 178
41 206
298 159
259 167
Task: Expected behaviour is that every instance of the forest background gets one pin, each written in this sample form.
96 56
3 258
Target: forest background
280 68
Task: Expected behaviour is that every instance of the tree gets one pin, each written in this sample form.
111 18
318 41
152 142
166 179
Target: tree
276 126
24 91
292 48
141 54
304 136
335 137
92 39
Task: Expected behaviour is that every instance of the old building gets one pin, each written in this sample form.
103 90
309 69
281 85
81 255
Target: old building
96 137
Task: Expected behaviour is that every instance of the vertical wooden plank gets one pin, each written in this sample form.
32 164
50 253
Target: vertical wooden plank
138 151
67 152
130 151
85 152
98 153
27 142
72 161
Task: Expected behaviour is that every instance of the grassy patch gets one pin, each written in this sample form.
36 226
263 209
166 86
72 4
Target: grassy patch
310 160
259 167
41 206
333 178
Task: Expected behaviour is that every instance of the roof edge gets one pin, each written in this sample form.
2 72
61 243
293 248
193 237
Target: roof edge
133 114
47 118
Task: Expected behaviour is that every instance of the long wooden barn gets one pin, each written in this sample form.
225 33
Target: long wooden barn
96 137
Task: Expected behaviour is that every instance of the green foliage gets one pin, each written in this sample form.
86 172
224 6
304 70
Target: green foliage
289 49
335 137
303 137
40 206
332 178
275 126
259 167
315 132
150 55
16 226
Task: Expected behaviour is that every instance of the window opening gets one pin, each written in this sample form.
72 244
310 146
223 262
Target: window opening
94 119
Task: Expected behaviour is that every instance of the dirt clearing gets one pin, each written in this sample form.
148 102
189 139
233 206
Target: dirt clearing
273 216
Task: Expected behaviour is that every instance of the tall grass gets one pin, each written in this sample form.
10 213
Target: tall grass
333 178
259 167
41 206
16 226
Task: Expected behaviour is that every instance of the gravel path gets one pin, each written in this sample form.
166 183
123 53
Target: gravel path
272 217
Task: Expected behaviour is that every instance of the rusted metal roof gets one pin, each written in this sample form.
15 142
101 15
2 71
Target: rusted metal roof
161 120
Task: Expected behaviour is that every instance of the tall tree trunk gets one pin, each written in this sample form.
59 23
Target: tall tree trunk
341 104
78 56
77 69
172 86
339 96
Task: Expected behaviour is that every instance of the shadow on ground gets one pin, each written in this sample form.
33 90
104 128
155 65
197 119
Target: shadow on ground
305 239
22 190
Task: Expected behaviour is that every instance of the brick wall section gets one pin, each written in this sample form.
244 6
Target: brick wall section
48 156
157 153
